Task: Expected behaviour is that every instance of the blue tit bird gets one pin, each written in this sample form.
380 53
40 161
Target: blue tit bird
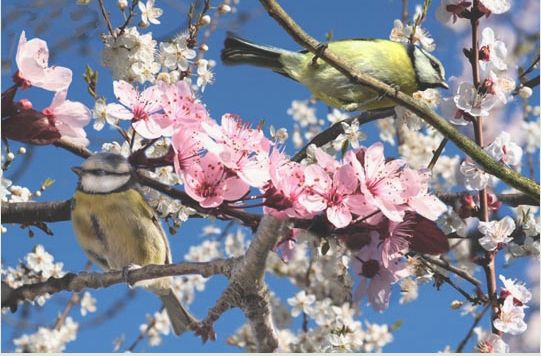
403 66
117 228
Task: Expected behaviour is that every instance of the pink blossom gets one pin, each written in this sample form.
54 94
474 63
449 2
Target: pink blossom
208 182
396 237
181 109
240 148
286 186
378 181
415 193
32 59
69 117
330 194
376 279
142 108
187 146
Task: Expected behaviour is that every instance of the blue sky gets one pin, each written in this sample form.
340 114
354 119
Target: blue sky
428 324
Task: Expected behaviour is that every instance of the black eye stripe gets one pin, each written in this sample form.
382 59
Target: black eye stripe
101 172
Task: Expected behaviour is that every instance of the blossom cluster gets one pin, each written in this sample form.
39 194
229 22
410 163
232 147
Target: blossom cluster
61 119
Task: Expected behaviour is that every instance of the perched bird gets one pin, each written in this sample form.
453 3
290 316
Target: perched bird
404 66
117 228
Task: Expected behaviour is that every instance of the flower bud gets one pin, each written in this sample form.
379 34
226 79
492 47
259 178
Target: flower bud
205 20
204 47
456 304
22 150
122 4
525 92
10 156
24 104
224 9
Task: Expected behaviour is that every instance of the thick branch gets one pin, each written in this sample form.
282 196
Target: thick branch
247 289
32 212
491 166
76 282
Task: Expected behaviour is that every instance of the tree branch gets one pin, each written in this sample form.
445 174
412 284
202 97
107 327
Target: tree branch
247 289
511 199
77 282
335 130
490 165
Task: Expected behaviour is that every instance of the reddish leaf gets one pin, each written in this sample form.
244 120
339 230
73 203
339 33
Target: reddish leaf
428 238
30 126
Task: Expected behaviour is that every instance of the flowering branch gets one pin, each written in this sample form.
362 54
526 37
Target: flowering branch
490 165
476 321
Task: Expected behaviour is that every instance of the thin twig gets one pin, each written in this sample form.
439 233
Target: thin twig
488 267
457 271
476 321
74 299
437 153
105 15
335 130
451 283
143 333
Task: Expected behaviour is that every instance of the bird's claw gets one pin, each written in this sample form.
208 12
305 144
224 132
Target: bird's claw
205 330
126 271
319 52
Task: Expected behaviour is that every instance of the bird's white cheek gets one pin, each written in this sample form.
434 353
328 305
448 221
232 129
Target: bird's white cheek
104 184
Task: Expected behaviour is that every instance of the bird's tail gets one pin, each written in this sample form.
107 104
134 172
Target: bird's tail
180 318
240 51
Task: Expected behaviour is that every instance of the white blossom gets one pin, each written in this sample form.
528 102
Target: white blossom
176 54
532 130
303 113
492 51
472 102
516 289
403 34
102 114
511 318
474 177
149 13
409 290
19 194
387 130
497 6
40 261
496 232
88 304
489 342
336 116
120 53
207 251
502 148
48 340
301 303
204 74
235 244
352 134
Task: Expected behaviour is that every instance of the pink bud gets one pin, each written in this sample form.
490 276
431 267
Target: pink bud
24 104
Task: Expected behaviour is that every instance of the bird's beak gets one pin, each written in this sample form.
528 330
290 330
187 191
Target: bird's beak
444 85
77 170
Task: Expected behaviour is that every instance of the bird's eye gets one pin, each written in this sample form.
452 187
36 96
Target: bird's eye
434 65
99 172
